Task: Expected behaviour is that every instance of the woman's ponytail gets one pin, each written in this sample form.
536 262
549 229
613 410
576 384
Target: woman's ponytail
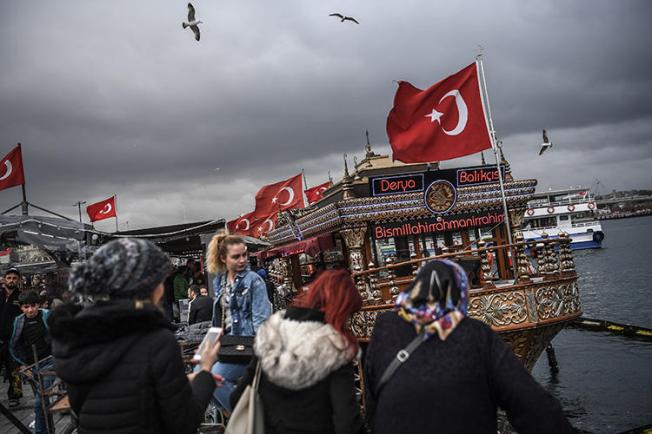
217 248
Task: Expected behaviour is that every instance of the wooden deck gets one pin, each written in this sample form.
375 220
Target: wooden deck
25 412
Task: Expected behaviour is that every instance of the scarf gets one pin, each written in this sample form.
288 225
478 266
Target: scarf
437 299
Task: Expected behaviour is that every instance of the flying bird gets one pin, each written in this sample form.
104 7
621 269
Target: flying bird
192 23
344 18
546 143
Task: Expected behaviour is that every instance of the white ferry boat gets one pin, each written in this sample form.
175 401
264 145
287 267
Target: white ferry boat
571 210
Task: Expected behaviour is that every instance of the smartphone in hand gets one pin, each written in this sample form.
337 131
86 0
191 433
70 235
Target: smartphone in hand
212 336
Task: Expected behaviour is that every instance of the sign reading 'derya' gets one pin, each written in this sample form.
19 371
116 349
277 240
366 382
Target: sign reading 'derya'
414 182
397 184
436 225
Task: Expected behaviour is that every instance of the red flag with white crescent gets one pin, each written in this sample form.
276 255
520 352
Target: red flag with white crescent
279 196
315 194
102 210
445 121
11 169
264 226
242 225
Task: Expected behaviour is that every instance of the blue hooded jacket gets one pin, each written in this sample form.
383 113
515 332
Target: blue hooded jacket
15 347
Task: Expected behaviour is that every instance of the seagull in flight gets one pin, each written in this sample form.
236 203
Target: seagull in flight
344 18
546 143
192 23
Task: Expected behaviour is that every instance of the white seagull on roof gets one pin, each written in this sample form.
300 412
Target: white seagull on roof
192 22
546 143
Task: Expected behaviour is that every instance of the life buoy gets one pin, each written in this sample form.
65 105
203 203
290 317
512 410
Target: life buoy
529 211
591 205
571 208
551 209
598 236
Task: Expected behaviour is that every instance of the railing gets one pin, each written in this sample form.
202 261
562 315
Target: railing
549 258
545 203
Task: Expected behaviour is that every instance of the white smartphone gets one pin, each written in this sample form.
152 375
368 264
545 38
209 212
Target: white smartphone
211 337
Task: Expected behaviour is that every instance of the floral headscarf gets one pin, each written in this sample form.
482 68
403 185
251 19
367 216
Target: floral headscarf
437 299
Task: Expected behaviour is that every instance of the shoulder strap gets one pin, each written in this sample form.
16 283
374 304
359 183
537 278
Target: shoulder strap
401 357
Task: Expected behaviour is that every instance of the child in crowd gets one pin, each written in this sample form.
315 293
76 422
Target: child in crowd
30 335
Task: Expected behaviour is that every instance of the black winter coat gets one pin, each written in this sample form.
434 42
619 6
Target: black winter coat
325 406
124 371
9 310
453 386
201 309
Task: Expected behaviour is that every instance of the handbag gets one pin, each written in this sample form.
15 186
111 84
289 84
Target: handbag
236 349
247 416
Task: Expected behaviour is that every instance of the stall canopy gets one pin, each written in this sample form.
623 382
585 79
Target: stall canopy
310 246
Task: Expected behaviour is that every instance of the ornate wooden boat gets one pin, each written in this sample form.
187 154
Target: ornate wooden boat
387 218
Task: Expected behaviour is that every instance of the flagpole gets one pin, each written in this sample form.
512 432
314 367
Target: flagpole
25 204
115 201
492 135
78 205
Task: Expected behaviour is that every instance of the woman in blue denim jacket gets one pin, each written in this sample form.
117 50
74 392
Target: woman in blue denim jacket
241 303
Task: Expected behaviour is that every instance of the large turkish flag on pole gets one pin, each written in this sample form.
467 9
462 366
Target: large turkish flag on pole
102 210
279 196
11 169
445 121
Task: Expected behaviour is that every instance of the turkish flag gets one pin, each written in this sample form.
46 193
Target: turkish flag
102 210
264 226
445 121
279 196
315 194
243 224
11 169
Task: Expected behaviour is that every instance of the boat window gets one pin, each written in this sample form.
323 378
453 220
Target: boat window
563 218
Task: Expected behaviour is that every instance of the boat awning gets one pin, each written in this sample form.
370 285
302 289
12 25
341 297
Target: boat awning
310 246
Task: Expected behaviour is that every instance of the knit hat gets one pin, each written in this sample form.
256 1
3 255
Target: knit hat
122 268
12 270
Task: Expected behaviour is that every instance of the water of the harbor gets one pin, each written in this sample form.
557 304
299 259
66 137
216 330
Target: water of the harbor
605 381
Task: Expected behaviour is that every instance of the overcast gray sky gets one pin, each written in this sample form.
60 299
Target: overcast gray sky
115 97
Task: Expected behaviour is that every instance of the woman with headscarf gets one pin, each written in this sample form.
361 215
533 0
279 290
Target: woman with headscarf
457 376
116 351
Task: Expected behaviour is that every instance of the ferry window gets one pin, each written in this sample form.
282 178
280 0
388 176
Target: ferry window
563 218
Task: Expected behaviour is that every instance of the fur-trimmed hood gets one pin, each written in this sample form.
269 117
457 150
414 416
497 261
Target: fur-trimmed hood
87 342
297 349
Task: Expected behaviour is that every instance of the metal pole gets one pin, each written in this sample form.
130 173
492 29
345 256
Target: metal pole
492 135
79 249
115 201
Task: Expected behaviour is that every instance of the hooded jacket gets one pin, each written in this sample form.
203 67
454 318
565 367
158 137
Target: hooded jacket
123 369
307 381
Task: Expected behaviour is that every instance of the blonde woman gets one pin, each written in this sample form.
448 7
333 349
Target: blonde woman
241 303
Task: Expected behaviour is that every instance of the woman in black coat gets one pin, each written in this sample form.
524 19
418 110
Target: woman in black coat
306 354
461 372
117 353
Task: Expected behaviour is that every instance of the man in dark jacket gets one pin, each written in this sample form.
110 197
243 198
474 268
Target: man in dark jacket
9 310
201 307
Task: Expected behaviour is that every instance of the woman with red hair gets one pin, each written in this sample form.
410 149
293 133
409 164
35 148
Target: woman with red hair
305 354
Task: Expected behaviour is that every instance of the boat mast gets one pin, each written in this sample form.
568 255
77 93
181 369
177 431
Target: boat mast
492 134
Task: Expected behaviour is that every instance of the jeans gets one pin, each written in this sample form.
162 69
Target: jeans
231 373
40 426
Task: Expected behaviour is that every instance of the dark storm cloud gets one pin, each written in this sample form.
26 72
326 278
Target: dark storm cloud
114 97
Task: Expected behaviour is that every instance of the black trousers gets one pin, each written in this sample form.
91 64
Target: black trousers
15 389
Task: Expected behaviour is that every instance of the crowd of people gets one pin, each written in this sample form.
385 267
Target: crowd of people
427 368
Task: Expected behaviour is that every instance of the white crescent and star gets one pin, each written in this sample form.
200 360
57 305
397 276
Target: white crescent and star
107 209
290 198
269 222
462 109
8 171
246 228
